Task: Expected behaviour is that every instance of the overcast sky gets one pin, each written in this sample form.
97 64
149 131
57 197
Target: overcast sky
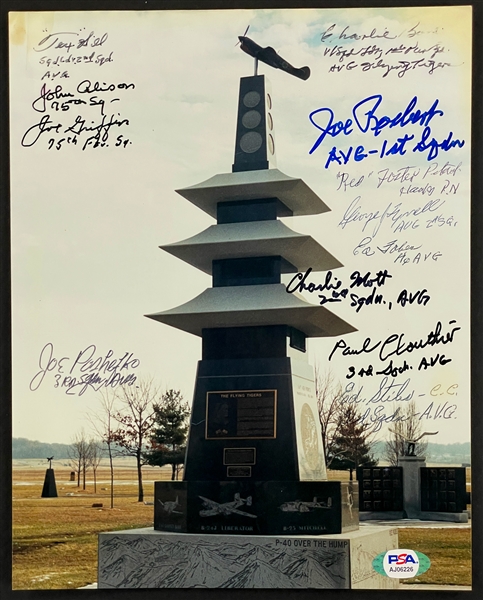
86 224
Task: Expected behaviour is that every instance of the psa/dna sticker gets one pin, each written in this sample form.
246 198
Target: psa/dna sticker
401 564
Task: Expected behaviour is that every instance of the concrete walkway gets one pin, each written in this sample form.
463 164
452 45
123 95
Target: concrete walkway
404 523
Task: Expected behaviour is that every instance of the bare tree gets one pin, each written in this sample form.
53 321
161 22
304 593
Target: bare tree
104 425
95 457
407 427
75 460
329 396
86 461
135 422
79 456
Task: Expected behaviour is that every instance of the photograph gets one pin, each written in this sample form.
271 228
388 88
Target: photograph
240 298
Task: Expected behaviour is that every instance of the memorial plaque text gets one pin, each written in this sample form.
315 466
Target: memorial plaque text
241 414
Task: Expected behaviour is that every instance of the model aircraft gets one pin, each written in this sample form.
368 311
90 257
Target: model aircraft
299 506
270 57
170 506
212 508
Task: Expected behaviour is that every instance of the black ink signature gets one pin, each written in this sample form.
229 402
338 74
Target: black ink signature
87 87
32 135
102 129
395 344
48 95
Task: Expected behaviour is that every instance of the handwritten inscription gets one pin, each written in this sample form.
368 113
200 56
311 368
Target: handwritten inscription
399 219
396 345
88 370
399 215
423 199
377 409
64 49
367 119
96 135
87 94
399 356
77 114
383 51
335 291
394 215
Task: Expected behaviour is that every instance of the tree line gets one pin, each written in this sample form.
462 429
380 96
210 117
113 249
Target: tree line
25 448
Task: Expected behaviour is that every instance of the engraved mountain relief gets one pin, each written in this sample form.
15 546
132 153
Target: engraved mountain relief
201 564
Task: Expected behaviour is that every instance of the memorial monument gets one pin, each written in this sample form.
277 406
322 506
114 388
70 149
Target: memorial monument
49 489
255 465
255 461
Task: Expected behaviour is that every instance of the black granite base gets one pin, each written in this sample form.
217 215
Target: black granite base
256 507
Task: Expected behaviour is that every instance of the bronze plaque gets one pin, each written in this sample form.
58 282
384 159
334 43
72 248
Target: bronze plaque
239 456
238 471
241 414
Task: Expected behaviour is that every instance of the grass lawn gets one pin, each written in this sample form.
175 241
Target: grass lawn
55 539
449 550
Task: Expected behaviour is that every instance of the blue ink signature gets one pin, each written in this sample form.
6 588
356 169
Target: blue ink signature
365 119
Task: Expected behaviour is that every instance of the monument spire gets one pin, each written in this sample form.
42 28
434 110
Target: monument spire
255 143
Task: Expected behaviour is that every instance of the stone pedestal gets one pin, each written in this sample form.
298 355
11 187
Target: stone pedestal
145 558
411 485
50 489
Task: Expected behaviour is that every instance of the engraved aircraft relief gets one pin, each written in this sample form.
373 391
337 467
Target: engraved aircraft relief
212 508
300 506
171 506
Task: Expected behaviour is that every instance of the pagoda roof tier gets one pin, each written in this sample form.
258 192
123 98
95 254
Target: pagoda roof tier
253 305
255 185
253 239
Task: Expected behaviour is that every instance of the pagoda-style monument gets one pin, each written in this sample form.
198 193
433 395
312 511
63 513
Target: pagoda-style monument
255 460
255 477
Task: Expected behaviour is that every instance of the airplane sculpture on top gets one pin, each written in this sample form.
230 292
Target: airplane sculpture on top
270 57
410 449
